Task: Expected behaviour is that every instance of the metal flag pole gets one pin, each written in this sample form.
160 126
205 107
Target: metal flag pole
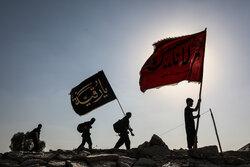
120 106
198 119
216 130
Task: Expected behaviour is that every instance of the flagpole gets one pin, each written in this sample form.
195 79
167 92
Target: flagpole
130 129
198 119
216 131
120 106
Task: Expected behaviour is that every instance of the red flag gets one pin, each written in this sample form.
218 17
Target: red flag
174 60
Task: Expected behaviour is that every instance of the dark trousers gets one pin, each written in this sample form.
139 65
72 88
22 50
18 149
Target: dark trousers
190 137
36 145
86 138
124 138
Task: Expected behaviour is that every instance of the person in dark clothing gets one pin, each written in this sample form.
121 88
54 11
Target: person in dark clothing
189 122
35 136
86 134
124 138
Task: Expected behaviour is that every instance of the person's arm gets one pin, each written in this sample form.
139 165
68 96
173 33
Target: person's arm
198 105
195 109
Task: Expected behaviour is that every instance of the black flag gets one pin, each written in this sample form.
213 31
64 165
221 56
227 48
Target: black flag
91 93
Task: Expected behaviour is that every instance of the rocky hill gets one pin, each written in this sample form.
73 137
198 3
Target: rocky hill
154 153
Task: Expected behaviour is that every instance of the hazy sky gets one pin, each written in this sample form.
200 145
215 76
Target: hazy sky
48 47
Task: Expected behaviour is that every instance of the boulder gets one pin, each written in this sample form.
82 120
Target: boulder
155 151
56 163
156 140
76 164
232 160
125 161
155 148
241 154
103 157
64 156
8 163
30 162
145 162
204 152
81 156
103 164
43 156
15 155
245 148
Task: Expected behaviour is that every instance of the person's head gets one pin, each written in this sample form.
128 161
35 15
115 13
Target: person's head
189 102
39 126
92 120
128 114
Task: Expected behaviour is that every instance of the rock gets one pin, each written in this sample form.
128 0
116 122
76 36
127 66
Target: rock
156 140
81 156
103 157
30 162
150 154
156 148
145 144
144 162
56 163
219 160
76 164
245 148
35 165
8 163
42 156
155 151
204 152
64 156
124 161
232 160
241 154
103 164
15 155
169 164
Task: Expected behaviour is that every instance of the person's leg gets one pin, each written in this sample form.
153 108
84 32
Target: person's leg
119 142
89 141
36 145
190 138
82 144
127 141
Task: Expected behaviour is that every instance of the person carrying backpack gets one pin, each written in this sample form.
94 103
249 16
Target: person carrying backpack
84 128
35 136
123 131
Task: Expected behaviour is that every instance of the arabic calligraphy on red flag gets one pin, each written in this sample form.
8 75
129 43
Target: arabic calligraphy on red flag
91 93
174 60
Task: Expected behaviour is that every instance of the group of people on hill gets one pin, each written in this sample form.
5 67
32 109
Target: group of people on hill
125 128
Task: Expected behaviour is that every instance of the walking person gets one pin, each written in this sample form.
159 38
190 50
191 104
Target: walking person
35 136
189 122
84 128
123 132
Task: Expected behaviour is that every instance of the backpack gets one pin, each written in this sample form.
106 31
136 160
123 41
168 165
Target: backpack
118 126
80 127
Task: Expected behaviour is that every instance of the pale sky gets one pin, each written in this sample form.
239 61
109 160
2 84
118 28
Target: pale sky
48 47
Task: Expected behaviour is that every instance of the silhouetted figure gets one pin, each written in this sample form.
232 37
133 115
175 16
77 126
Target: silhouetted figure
35 136
124 138
86 126
189 121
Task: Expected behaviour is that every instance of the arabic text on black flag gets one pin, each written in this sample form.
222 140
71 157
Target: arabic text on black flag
91 93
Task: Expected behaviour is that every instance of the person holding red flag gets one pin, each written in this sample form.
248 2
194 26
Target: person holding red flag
189 122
